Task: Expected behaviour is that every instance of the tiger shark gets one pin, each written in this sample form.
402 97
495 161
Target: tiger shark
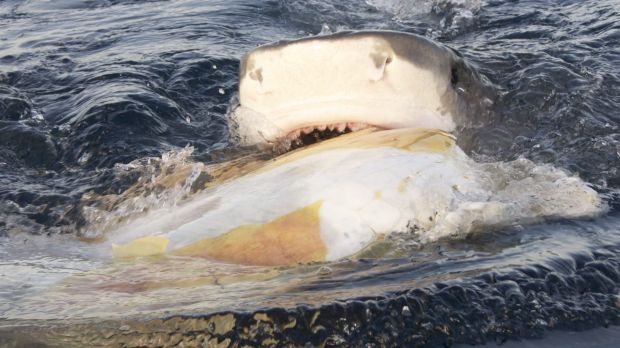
395 100
352 80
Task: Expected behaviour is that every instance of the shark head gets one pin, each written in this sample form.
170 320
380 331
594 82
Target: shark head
348 81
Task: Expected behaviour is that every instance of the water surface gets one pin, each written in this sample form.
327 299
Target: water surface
96 96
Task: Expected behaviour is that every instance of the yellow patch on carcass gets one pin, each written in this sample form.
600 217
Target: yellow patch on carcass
289 239
402 186
147 246
437 142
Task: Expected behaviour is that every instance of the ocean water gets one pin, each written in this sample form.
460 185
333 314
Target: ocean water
97 96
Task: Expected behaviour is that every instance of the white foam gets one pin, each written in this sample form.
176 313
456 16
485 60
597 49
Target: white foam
407 8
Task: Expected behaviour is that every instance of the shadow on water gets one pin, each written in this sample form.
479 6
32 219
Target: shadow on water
87 87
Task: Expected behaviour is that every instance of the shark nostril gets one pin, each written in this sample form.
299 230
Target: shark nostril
257 75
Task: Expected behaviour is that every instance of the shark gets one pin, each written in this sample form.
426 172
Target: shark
350 81
365 126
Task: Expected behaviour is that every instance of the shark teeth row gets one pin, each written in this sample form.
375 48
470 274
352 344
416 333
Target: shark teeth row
337 127
295 137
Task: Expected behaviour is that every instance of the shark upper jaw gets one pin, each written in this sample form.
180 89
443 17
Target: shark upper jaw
346 81
296 129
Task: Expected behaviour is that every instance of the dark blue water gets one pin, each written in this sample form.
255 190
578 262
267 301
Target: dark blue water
89 86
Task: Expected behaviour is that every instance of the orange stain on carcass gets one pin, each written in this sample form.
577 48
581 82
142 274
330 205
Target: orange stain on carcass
289 239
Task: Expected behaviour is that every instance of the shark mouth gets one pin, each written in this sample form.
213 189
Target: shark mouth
313 134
